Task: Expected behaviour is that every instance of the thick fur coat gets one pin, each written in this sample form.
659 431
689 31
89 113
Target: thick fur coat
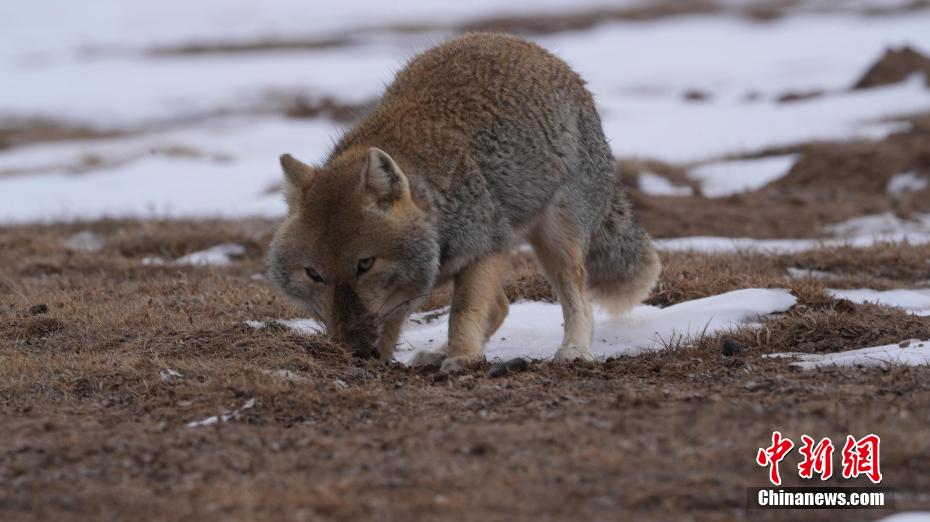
479 144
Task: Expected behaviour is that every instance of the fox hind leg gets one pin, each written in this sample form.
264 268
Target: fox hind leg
559 246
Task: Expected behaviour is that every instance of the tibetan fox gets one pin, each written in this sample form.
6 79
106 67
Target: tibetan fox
478 145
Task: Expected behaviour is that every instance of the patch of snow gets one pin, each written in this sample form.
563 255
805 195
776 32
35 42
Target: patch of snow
916 353
224 417
914 301
85 241
306 326
801 273
153 261
534 329
800 53
169 374
656 185
884 223
220 255
724 178
716 244
639 92
286 375
906 182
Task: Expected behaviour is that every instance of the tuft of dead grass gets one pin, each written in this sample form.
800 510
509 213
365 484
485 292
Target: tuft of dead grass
835 325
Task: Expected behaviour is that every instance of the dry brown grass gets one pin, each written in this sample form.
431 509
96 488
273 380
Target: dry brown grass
23 132
94 427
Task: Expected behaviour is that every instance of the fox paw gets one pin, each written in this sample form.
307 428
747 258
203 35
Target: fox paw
572 353
459 363
427 359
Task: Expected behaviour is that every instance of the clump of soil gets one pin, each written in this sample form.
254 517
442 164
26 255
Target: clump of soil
895 66
795 96
23 132
303 107
696 95
263 45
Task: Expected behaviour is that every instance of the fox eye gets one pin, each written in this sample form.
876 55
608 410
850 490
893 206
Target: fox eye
311 273
364 265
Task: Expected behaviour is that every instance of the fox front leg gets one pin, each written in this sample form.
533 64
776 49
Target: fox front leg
390 332
474 305
476 309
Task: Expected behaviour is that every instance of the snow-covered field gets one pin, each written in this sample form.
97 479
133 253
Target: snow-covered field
199 133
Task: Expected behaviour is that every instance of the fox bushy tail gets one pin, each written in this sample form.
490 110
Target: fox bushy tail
622 262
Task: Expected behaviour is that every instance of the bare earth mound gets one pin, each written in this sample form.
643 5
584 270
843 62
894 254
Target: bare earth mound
895 66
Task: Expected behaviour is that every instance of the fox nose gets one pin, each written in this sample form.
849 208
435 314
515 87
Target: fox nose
351 324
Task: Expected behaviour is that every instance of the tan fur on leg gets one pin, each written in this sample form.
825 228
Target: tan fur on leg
498 314
558 246
388 340
475 302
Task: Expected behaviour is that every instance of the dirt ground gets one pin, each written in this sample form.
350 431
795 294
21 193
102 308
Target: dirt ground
95 425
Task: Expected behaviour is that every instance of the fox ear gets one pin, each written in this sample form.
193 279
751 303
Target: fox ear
296 171
297 174
383 177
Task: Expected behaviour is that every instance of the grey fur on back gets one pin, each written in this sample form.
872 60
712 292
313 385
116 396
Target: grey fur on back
491 130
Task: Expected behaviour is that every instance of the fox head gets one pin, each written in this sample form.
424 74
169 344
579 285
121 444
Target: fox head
355 247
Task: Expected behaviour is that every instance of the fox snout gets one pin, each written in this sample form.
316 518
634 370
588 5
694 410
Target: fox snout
351 324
